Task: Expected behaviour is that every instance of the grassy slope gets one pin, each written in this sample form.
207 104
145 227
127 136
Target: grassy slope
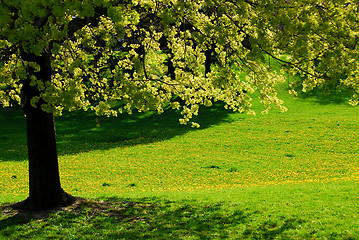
279 175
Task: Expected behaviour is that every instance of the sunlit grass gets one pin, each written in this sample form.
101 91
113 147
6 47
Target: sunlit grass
241 151
292 175
245 152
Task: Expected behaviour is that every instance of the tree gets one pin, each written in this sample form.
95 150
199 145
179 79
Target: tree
114 56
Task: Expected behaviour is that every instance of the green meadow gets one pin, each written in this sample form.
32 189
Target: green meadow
292 175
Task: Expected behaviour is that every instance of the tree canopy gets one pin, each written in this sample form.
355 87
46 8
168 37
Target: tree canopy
116 56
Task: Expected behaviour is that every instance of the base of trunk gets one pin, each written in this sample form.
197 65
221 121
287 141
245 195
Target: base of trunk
28 204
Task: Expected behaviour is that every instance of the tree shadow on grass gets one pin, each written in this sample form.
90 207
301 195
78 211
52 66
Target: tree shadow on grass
329 93
11 218
12 134
147 218
83 131
325 97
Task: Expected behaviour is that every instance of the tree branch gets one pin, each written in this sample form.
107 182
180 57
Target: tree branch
7 52
78 23
291 64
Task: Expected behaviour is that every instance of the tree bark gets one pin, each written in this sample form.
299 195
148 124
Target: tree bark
45 190
208 61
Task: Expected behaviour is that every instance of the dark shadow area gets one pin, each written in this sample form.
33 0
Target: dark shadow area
329 93
148 218
14 221
324 97
83 131
12 218
271 229
12 134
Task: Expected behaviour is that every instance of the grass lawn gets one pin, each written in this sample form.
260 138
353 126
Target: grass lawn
283 175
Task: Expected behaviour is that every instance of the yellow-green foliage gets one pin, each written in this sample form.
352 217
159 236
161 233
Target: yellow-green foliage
96 64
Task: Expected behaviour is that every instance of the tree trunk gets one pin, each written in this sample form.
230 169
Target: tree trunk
44 179
208 61
45 190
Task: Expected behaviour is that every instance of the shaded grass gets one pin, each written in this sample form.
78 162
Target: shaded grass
12 134
79 131
319 211
127 219
91 132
